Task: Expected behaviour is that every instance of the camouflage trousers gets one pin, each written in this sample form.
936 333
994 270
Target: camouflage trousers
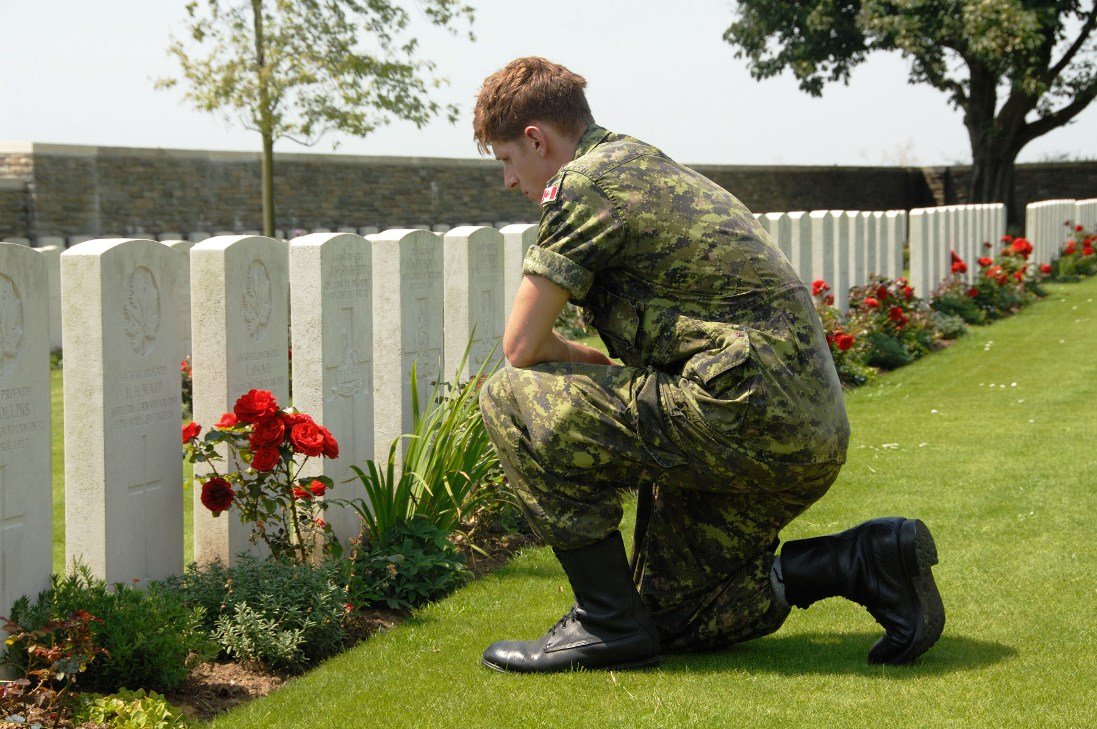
573 438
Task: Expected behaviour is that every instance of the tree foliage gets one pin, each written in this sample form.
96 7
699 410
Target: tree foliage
1017 68
298 69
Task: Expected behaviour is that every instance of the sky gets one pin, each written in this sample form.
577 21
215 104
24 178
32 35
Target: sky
79 72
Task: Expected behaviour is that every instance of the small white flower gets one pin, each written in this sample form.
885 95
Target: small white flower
934 411
1013 384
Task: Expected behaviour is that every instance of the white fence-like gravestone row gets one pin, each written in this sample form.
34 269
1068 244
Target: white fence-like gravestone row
1085 213
239 306
1047 227
26 497
364 308
123 481
935 233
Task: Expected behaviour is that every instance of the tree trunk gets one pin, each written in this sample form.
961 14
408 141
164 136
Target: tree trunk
268 185
992 180
266 123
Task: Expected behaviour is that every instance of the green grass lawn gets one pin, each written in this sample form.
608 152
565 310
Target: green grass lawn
991 442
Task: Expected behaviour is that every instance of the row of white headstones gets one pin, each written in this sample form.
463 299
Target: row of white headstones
363 309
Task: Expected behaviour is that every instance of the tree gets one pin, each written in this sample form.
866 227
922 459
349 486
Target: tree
298 69
1016 68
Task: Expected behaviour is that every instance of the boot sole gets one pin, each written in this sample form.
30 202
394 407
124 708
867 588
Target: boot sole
634 666
919 553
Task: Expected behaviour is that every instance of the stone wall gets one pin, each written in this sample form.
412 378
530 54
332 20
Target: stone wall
13 207
76 190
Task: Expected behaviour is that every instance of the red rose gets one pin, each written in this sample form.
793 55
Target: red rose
255 405
872 303
185 368
217 495
331 446
191 430
1078 229
908 293
994 272
881 292
843 342
265 459
818 286
1021 246
895 313
317 488
228 420
959 267
1019 275
1069 249
268 432
1045 268
955 258
828 300
973 292
320 522
292 419
1007 238
307 438
301 493
1087 250
986 261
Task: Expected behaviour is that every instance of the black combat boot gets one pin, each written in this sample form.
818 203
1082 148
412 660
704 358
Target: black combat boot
608 627
883 564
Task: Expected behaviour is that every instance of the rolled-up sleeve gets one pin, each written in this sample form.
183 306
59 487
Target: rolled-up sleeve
579 235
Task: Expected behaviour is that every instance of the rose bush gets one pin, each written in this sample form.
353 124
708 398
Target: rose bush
283 509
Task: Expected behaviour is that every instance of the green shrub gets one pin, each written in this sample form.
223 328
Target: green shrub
887 352
295 598
247 633
152 637
949 326
408 565
962 306
130 710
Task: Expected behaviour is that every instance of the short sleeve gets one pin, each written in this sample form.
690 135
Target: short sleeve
580 233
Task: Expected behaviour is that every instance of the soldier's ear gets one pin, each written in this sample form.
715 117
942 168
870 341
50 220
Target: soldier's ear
537 139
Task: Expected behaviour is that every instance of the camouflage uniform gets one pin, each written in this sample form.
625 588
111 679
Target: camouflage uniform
727 406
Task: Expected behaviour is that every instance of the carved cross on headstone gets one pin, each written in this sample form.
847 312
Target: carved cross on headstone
353 378
146 481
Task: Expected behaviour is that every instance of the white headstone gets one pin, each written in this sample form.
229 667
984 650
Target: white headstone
800 243
183 246
920 230
407 296
842 278
858 274
473 303
53 291
822 247
874 243
239 305
517 239
780 229
123 455
26 496
331 299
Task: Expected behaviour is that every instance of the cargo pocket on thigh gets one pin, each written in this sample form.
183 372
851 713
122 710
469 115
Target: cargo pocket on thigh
722 384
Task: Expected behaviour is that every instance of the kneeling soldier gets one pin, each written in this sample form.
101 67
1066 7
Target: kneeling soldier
727 414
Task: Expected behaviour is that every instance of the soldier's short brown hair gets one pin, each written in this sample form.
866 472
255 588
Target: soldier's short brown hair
527 90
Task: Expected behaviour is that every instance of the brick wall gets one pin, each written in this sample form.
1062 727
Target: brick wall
115 190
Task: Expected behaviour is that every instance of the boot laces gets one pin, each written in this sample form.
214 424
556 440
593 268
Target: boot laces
562 622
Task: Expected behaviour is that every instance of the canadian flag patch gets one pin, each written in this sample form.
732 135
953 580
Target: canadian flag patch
549 195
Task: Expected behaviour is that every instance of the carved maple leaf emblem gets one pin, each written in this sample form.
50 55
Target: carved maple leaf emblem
11 324
141 313
257 304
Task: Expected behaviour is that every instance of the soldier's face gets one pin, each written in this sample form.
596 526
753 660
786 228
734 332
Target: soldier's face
525 167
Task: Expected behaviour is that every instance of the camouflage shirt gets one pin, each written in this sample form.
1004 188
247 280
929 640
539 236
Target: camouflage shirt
678 277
